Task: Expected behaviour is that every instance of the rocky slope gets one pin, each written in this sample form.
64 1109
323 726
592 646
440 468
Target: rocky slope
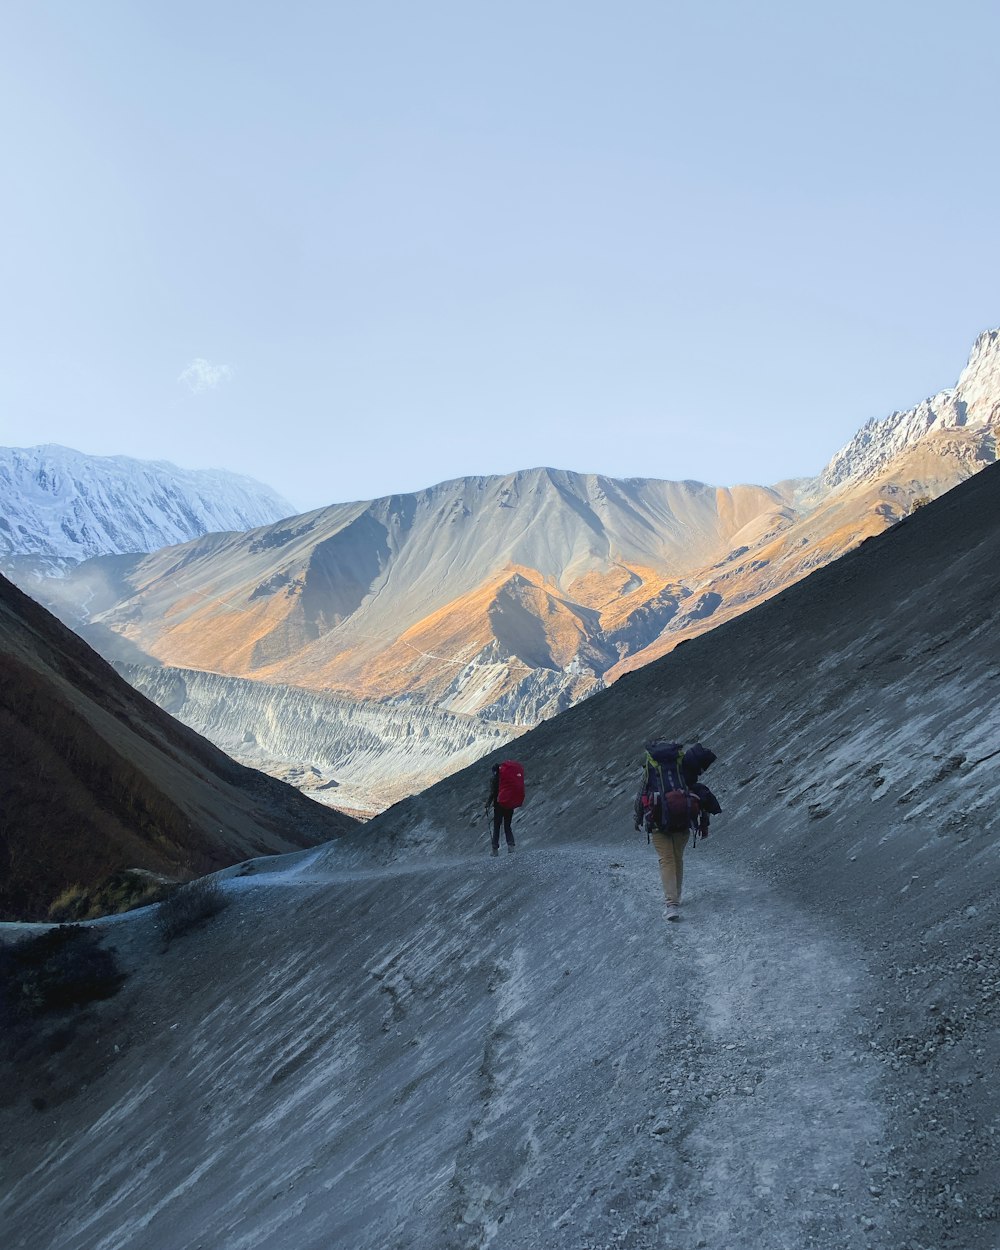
358 757
807 1059
95 778
60 506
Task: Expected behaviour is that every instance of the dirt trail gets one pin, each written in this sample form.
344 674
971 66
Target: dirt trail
717 1094
794 1131
517 1053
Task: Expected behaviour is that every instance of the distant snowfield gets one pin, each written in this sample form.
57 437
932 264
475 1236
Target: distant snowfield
59 506
469 1052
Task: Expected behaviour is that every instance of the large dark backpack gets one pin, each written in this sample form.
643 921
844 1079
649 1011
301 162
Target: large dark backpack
670 799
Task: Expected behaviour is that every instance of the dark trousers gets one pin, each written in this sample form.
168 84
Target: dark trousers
502 814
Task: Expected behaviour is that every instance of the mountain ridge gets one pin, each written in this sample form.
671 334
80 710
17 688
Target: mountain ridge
512 597
315 602
59 505
972 404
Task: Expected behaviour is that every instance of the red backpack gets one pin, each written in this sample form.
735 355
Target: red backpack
510 784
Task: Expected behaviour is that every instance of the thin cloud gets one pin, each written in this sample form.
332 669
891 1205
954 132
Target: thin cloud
201 375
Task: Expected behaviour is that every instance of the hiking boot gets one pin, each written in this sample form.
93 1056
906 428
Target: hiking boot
673 912
495 851
511 850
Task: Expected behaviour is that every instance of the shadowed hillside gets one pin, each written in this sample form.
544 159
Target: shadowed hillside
95 778
395 1040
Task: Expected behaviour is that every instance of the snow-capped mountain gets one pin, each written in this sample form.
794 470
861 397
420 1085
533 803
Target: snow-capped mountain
971 406
60 506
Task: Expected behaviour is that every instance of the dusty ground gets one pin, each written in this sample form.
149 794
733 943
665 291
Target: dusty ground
519 1052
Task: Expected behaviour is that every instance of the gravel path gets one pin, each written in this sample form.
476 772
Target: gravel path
516 1053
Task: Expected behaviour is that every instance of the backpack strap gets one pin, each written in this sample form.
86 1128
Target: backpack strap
653 785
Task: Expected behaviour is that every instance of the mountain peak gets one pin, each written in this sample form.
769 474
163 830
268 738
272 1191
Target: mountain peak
979 384
973 404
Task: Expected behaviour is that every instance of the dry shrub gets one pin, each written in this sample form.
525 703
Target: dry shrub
72 904
189 906
122 891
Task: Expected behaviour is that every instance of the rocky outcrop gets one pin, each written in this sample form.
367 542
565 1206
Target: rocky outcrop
972 406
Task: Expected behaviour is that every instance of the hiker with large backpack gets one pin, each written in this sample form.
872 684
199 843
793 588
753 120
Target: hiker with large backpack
673 805
506 795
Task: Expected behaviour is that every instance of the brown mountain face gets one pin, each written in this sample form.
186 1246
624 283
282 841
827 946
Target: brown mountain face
467 594
826 529
95 778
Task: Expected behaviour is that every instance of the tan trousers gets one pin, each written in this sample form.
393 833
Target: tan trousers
670 848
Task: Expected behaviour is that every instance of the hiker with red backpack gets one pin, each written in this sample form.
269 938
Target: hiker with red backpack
506 795
672 805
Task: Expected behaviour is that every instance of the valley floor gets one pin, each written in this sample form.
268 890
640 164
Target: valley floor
467 1052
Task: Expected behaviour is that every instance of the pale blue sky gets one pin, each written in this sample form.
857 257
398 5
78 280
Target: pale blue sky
356 248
